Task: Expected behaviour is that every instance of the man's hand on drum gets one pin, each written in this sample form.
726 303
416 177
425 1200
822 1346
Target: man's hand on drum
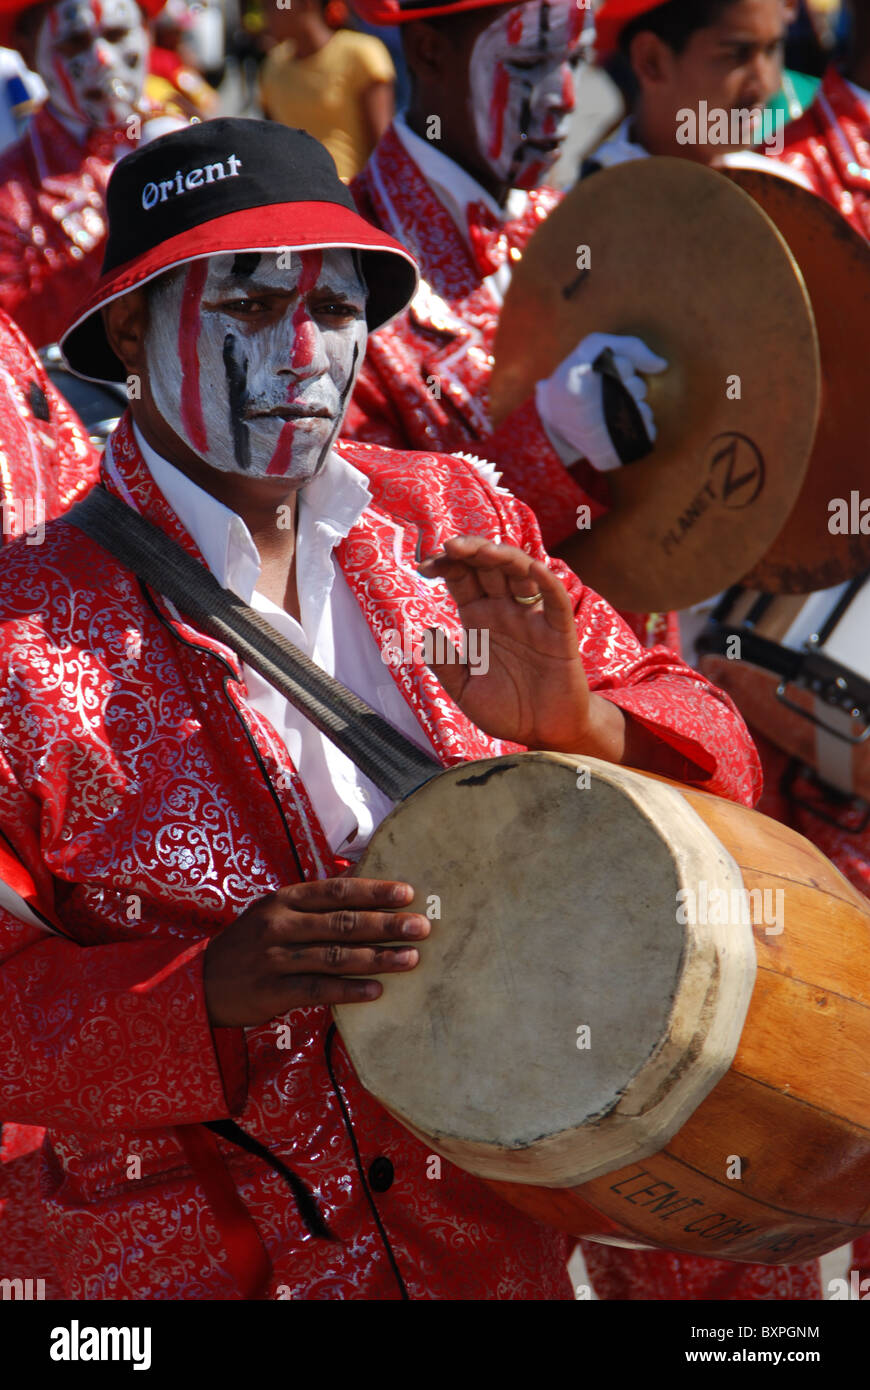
305 944
531 687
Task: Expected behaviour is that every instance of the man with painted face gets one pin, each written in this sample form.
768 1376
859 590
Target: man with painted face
92 56
691 56
172 813
458 180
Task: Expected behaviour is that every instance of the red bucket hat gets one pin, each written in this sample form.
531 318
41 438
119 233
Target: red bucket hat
611 18
11 9
386 12
228 185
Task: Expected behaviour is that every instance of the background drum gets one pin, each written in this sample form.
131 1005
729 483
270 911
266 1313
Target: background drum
798 669
583 1028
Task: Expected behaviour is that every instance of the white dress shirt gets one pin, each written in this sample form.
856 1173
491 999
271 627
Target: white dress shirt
455 188
333 631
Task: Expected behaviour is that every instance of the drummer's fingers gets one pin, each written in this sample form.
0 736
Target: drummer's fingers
324 894
495 566
556 606
335 959
289 929
281 995
466 567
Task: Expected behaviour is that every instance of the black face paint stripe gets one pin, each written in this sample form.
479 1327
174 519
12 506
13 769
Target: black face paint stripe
543 25
236 368
245 263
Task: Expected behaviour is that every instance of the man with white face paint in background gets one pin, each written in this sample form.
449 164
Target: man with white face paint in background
92 56
239 297
458 179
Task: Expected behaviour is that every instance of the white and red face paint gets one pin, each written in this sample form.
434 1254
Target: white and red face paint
521 91
252 365
92 56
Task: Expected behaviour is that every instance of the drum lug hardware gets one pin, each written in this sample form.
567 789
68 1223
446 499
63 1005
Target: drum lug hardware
817 687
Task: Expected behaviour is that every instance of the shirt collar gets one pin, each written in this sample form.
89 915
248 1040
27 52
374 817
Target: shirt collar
453 185
329 506
619 148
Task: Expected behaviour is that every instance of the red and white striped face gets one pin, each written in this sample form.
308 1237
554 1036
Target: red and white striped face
252 357
92 56
521 88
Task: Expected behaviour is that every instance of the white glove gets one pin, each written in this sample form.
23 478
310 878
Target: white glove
570 401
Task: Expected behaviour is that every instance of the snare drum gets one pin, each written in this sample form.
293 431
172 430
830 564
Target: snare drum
798 668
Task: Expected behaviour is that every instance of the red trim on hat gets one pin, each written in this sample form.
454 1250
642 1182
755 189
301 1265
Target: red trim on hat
611 19
294 226
387 12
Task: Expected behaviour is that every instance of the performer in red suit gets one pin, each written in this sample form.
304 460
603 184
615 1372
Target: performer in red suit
701 70
46 464
465 201
830 143
92 56
47 461
189 825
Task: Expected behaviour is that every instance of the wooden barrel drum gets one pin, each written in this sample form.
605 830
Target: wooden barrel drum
643 1012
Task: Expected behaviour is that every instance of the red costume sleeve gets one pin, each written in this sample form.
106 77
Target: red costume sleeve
652 685
110 1035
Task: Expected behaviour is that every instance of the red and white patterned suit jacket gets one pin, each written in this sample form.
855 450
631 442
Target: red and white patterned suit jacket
46 463
151 804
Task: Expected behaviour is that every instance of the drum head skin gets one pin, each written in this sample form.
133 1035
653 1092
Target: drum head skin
563 1020
835 263
705 279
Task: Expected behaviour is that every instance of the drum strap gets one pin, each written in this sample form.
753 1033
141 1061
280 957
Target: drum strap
395 764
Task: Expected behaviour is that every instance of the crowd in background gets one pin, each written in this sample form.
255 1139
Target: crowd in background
313 64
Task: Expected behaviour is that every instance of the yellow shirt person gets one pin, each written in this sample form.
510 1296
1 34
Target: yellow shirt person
336 84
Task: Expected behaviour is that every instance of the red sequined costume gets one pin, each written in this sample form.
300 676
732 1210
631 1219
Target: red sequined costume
154 777
830 145
46 464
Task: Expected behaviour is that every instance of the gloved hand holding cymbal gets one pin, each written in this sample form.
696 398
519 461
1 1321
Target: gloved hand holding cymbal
570 402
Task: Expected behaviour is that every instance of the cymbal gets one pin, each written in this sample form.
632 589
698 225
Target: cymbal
835 263
705 279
